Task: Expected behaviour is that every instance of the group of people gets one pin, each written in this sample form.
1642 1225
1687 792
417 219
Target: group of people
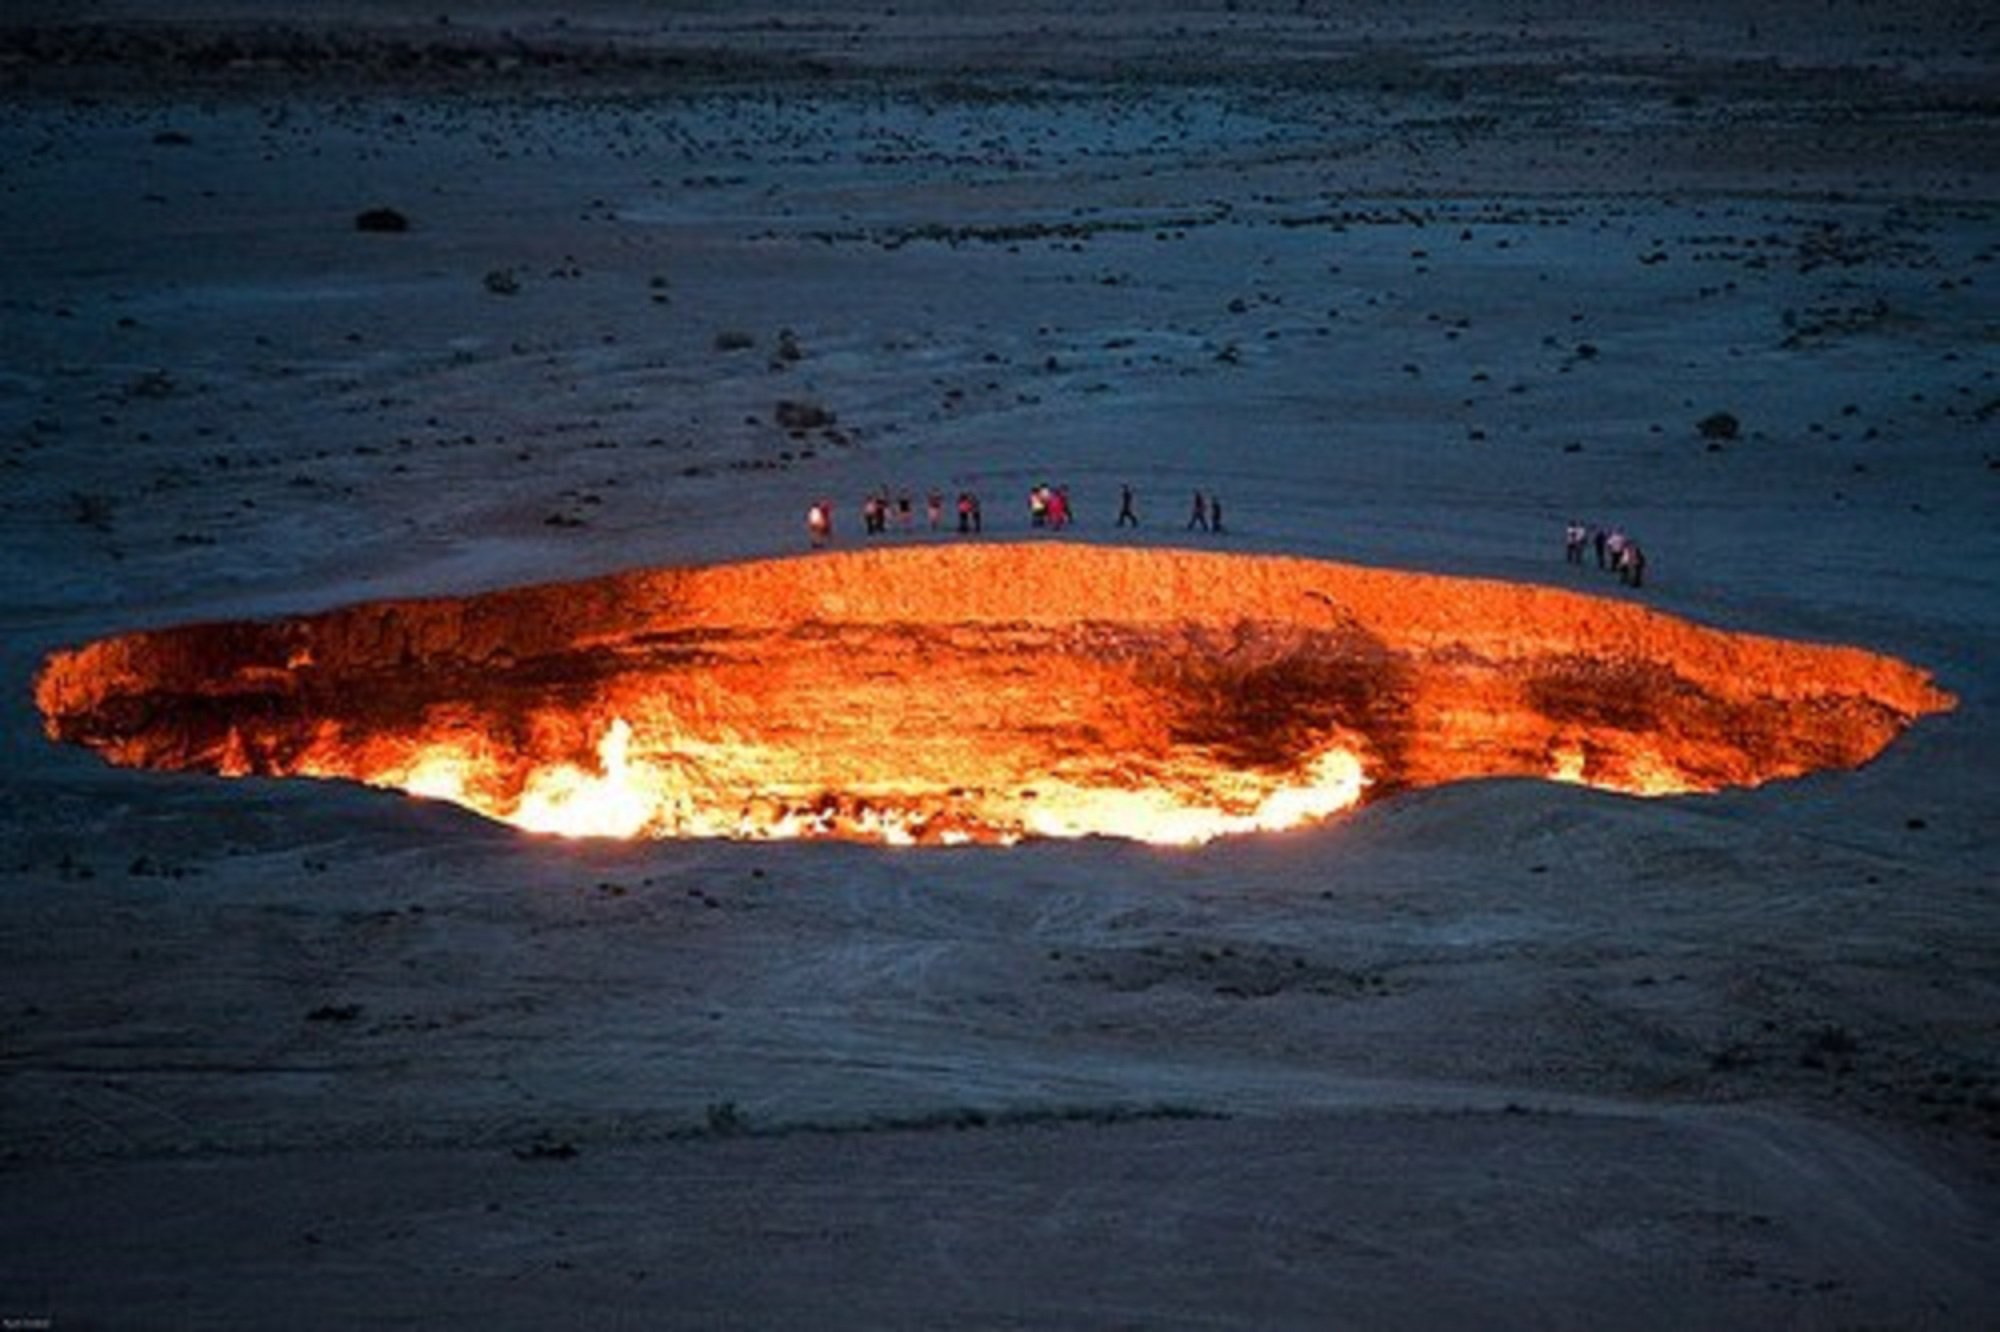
1048 507
1207 514
880 511
1615 551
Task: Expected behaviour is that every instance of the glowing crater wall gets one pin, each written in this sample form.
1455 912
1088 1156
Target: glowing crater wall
979 692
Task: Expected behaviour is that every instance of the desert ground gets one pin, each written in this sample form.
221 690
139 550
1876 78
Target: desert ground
1404 285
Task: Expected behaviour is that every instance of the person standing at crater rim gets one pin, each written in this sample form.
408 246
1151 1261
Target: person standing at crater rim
1614 550
1199 518
1127 516
1632 565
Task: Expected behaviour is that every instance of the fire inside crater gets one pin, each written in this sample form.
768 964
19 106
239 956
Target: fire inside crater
979 693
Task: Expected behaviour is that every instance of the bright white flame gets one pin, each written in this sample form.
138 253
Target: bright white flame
1644 773
438 774
612 802
1566 765
1647 774
1333 782
630 797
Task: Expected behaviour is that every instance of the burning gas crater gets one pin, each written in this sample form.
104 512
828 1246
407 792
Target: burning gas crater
979 694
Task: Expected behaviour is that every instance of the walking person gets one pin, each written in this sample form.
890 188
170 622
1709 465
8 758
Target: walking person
1215 513
1199 518
819 522
1598 536
1573 537
1126 516
934 509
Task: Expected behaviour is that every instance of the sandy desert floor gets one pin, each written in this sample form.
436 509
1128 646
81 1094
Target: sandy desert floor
1406 285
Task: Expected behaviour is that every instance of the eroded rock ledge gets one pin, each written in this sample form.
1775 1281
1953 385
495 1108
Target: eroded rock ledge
981 692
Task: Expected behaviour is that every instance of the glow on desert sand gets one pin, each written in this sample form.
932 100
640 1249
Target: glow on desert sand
980 693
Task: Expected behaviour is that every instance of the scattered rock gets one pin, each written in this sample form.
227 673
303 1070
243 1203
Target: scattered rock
152 384
92 511
1731 1058
503 282
546 1150
381 219
1832 1039
726 1120
798 415
1719 425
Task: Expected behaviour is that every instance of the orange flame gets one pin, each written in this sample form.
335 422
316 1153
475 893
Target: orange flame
982 693
626 795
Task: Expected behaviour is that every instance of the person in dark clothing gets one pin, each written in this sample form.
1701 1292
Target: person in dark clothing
1199 518
978 518
964 511
1126 516
1598 536
1214 513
